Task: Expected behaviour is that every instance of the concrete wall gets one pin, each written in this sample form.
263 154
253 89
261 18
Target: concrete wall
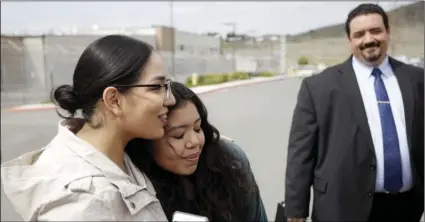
193 53
265 59
34 50
185 65
22 70
186 43
12 64
32 66
63 52
195 44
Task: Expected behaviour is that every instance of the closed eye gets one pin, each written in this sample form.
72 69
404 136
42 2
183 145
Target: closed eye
179 137
182 136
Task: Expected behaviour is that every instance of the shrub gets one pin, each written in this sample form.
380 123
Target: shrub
217 78
302 61
213 79
189 82
266 74
238 76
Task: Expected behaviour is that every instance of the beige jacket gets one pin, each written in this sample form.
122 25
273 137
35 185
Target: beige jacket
69 180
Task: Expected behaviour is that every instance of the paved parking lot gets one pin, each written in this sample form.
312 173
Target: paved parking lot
257 117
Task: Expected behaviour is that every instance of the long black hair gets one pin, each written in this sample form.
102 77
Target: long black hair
218 186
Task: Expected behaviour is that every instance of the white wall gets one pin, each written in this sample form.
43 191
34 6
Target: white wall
34 61
196 44
63 52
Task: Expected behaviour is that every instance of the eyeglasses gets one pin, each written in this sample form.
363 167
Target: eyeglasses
166 85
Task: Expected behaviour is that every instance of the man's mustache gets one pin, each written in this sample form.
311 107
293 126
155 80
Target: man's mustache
369 45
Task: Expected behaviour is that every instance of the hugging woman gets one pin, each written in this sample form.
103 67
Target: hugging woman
194 170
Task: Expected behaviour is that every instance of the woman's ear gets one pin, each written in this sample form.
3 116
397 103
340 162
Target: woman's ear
112 100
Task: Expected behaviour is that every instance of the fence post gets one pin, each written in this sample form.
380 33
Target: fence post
282 54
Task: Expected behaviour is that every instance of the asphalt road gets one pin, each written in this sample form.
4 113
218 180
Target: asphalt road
257 117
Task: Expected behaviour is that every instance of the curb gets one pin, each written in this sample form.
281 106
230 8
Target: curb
221 87
241 83
32 107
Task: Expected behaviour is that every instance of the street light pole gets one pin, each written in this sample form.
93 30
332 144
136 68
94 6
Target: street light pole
253 37
173 40
233 25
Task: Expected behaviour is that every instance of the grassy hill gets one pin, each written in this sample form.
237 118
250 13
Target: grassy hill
408 16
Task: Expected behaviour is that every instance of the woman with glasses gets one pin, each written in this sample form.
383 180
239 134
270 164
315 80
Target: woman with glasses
121 91
196 171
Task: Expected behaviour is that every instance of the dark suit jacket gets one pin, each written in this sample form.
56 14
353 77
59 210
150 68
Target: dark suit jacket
330 145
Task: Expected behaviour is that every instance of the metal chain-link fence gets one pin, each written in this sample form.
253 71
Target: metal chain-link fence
32 66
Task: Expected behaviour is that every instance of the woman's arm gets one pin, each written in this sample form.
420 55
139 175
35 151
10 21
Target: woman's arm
77 207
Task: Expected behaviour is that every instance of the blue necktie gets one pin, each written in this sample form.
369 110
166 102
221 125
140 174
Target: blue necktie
393 179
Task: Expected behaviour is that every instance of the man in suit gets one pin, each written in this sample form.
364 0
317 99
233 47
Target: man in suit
357 134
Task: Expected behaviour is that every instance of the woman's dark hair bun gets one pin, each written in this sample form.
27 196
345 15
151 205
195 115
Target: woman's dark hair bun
65 97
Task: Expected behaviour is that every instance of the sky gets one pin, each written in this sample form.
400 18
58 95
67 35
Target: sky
254 18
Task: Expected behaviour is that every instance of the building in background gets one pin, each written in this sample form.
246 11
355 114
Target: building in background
186 42
161 37
32 65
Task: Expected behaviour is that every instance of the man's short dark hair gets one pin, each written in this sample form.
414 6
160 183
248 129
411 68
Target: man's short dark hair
364 9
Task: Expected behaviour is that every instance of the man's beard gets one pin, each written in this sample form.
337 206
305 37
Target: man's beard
371 58
374 57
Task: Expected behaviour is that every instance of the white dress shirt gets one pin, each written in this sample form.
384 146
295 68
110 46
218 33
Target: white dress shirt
366 80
